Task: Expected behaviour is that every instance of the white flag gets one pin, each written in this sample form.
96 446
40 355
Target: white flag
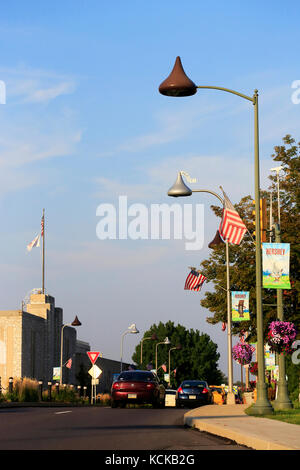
35 242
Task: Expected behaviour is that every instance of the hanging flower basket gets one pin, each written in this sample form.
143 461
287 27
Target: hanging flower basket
242 353
253 368
281 336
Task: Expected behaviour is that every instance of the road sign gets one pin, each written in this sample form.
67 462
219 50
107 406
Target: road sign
95 372
93 355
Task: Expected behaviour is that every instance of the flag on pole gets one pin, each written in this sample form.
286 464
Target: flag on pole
232 228
35 242
42 225
164 367
69 363
194 281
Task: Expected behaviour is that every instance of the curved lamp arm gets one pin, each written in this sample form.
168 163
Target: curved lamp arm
210 192
253 99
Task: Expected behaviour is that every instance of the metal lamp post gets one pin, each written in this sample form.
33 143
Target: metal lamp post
153 338
178 84
75 322
178 347
131 329
181 189
282 401
166 341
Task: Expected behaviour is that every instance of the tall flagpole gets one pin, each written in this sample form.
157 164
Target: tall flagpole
43 256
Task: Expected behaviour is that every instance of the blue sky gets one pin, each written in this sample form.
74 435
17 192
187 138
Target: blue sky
84 123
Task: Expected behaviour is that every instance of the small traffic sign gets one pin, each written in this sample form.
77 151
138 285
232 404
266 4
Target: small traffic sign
93 355
95 372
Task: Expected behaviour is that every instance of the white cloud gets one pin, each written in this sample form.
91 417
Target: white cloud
32 85
19 152
47 94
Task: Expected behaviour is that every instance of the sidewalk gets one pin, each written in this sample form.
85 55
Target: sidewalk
231 422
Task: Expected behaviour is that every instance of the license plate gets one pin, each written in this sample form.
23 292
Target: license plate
132 395
192 397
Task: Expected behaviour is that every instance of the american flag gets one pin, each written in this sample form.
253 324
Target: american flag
232 228
42 226
194 280
35 242
69 364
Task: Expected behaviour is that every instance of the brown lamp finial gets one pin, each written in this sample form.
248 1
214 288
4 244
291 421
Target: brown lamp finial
216 241
76 322
177 83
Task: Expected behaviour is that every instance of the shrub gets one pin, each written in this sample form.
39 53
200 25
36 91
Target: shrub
24 390
103 399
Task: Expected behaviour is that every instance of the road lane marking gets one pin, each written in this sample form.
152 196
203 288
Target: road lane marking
62 412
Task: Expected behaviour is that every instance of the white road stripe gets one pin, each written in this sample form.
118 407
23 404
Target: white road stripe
62 412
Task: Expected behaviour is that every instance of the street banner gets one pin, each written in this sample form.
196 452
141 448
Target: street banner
276 265
276 373
240 306
269 358
56 373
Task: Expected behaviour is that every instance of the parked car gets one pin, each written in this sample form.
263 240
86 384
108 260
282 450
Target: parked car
193 393
137 386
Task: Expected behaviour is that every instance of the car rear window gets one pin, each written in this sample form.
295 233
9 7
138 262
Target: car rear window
193 384
137 376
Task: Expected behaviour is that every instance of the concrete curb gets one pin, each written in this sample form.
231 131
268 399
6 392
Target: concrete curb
253 437
242 439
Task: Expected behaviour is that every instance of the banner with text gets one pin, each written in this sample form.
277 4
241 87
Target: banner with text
276 265
240 306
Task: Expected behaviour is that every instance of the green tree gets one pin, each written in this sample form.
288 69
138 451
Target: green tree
84 378
197 359
242 257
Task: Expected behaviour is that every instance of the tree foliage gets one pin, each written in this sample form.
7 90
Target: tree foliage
198 358
242 257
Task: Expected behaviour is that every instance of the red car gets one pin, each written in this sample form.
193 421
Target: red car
137 386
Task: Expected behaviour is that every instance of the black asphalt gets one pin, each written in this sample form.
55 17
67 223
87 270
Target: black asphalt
99 428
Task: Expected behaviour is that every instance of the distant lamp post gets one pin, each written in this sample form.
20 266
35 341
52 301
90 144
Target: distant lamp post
277 169
180 189
75 322
178 347
166 341
153 338
131 329
282 401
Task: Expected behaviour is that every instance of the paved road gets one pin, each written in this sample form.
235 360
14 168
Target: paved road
98 428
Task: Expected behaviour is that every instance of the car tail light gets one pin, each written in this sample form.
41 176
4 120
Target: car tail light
205 390
151 386
116 385
180 390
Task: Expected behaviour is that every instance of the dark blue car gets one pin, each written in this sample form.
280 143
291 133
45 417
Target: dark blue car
193 393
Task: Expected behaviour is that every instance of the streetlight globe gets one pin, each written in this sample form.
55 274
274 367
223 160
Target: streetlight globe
76 322
133 329
177 83
179 188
